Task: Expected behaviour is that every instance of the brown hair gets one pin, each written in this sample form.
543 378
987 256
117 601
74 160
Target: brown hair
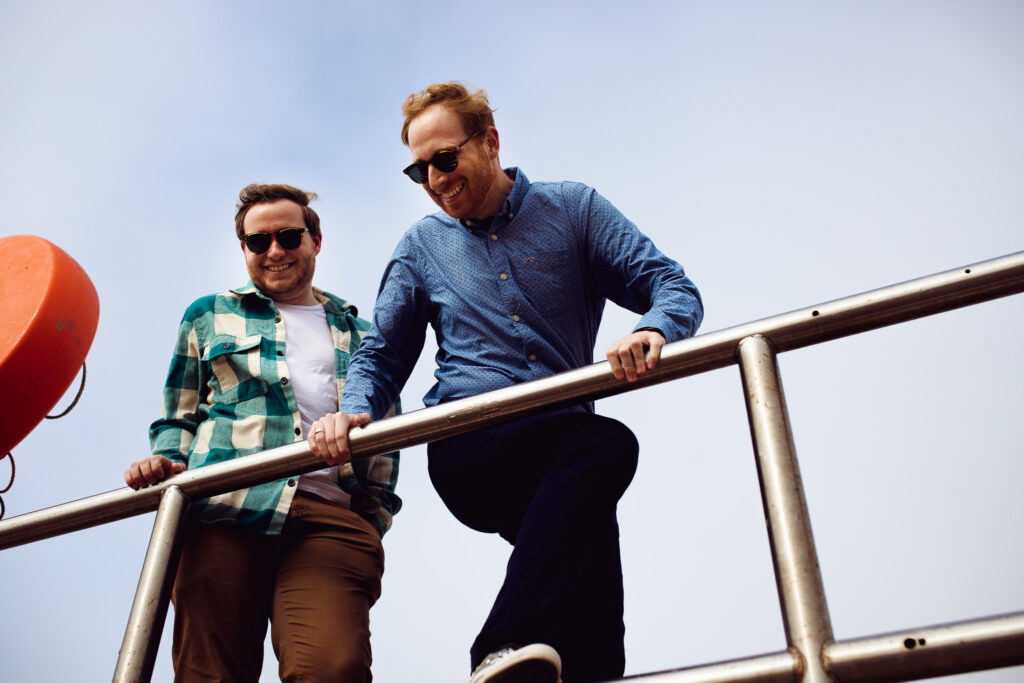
472 108
260 194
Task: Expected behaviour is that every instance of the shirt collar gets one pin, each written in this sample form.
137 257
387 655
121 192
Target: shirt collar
511 206
249 288
339 306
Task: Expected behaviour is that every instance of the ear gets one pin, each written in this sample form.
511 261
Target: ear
316 243
241 243
491 142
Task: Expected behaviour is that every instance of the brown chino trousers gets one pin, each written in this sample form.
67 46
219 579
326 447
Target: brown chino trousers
315 583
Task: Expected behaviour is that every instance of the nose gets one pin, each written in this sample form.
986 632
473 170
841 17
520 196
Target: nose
276 250
435 178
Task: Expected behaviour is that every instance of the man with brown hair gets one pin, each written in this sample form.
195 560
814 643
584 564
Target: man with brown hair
252 369
513 277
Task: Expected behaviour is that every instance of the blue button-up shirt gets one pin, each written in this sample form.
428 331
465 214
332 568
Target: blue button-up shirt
517 300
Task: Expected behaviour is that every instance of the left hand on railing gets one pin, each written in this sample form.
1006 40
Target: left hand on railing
635 354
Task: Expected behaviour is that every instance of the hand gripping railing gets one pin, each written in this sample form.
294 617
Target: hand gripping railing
812 655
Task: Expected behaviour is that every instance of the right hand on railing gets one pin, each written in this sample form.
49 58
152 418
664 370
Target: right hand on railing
151 470
328 437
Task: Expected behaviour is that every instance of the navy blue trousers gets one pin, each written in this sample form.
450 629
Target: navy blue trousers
549 485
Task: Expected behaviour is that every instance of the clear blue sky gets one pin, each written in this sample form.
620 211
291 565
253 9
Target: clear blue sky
786 153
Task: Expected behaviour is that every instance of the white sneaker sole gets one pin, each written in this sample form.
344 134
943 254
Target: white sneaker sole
531 664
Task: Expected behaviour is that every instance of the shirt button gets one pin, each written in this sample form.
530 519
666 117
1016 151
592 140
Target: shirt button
291 482
516 318
533 357
226 345
284 380
494 238
503 277
277 319
298 432
280 353
511 215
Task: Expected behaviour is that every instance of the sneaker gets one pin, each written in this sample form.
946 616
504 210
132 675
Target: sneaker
537 663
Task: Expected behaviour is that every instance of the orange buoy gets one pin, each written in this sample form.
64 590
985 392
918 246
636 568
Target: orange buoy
48 315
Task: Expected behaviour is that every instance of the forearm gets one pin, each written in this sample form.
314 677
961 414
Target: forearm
638 276
676 309
172 439
387 354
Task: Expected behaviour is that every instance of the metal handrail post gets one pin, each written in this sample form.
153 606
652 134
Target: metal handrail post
797 572
137 657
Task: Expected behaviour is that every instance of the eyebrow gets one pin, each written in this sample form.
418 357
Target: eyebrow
439 149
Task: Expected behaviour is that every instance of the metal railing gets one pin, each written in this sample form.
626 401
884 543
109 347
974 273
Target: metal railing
812 653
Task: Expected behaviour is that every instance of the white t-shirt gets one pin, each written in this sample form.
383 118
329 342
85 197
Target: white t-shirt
309 353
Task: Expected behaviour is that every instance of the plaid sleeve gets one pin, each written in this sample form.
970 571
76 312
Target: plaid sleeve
381 479
172 434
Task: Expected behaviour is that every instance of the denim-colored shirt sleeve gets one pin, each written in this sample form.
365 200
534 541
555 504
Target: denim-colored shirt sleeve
631 271
389 352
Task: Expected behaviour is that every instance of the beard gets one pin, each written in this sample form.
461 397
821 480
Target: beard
288 285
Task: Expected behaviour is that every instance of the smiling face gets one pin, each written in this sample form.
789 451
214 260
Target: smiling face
285 275
477 187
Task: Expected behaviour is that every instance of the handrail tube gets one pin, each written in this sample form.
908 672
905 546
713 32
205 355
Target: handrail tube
851 315
778 667
941 650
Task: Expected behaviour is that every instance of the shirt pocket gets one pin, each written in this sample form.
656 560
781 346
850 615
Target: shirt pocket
549 280
236 366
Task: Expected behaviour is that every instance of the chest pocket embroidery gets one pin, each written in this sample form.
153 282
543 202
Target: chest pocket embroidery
548 279
235 363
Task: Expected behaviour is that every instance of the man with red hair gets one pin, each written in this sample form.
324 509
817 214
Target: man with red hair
513 277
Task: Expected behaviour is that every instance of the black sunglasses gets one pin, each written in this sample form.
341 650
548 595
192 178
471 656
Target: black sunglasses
444 160
259 242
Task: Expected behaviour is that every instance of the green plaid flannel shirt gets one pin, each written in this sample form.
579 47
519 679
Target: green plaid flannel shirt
227 395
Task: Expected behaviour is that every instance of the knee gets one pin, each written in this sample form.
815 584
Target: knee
616 456
620 448
603 452
626 442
